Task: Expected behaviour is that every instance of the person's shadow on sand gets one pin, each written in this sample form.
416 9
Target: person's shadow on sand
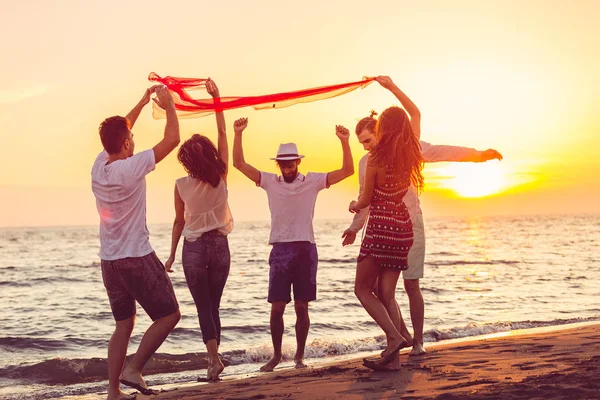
370 384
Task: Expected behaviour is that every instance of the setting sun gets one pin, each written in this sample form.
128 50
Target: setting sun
175 173
475 180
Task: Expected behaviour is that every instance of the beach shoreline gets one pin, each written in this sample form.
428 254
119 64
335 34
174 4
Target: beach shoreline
535 363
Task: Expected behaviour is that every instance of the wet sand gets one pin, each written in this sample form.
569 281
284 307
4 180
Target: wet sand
531 364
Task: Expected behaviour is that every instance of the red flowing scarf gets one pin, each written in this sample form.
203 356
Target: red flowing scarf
188 107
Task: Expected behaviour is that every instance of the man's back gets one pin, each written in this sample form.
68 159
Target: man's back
120 191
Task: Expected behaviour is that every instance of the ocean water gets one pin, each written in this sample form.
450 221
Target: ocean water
482 275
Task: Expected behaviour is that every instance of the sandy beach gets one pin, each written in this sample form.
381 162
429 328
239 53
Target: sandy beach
530 364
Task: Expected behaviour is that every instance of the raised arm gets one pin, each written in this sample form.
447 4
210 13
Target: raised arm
178 226
238 152
222 146
347 169
442 153
171 137
409 106
135 112
367 194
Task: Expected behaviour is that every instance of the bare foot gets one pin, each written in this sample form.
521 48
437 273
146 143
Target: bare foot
136 381
407 343
269 366
392 351
377 365
120 395
417 349
300 363
406 335
214 370
395 364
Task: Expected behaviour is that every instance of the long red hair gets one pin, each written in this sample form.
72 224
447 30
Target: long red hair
398 148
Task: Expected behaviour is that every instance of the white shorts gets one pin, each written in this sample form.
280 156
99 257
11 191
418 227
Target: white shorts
416 255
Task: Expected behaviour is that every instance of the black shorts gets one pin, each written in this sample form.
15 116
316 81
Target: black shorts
141 279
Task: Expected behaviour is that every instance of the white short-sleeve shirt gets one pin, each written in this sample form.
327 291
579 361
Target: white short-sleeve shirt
292 205
120 190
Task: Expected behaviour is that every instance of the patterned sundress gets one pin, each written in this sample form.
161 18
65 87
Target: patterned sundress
389 234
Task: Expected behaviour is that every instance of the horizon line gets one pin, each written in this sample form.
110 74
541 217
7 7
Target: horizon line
437 217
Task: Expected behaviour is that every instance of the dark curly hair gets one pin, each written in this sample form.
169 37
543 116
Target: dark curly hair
397 146
113 133
201 160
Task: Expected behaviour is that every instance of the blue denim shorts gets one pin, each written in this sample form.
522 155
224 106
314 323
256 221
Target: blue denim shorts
294 265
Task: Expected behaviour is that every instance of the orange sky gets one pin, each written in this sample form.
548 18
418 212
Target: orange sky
520 77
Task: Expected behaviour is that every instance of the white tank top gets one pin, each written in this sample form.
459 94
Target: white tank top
206 207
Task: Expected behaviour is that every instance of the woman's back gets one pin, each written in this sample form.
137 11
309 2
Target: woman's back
206 207
390 185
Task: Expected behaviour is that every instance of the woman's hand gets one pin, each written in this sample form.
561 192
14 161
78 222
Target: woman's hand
169 264
212 89
386 82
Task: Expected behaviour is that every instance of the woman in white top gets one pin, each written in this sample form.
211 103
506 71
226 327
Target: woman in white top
203 217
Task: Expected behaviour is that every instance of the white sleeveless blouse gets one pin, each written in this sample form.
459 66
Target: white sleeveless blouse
206 207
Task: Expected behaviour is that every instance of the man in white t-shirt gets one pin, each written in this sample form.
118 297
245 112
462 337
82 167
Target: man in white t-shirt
293 260
416 256
130 269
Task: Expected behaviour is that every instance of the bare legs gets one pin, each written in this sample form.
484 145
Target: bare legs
215 366
402 327
151 341
117 351
277 310
383 310
302 325
417 313
277 327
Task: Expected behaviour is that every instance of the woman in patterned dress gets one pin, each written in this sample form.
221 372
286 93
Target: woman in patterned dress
394 164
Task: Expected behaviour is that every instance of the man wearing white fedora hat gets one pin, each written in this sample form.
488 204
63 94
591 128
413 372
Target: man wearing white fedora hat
293 260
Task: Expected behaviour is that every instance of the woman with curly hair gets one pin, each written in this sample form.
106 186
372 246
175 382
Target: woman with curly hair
393 165
203 217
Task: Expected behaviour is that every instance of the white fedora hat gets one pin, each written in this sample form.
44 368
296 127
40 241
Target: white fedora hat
287 151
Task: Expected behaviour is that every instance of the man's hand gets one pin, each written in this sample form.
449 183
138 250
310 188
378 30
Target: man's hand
212 88
133 115
352 207
239 125
348 236
490 154
148 93
385 81
169 264
164 98
342 133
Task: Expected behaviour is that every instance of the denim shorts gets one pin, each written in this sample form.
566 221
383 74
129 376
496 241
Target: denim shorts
416 255
293 264
141 279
